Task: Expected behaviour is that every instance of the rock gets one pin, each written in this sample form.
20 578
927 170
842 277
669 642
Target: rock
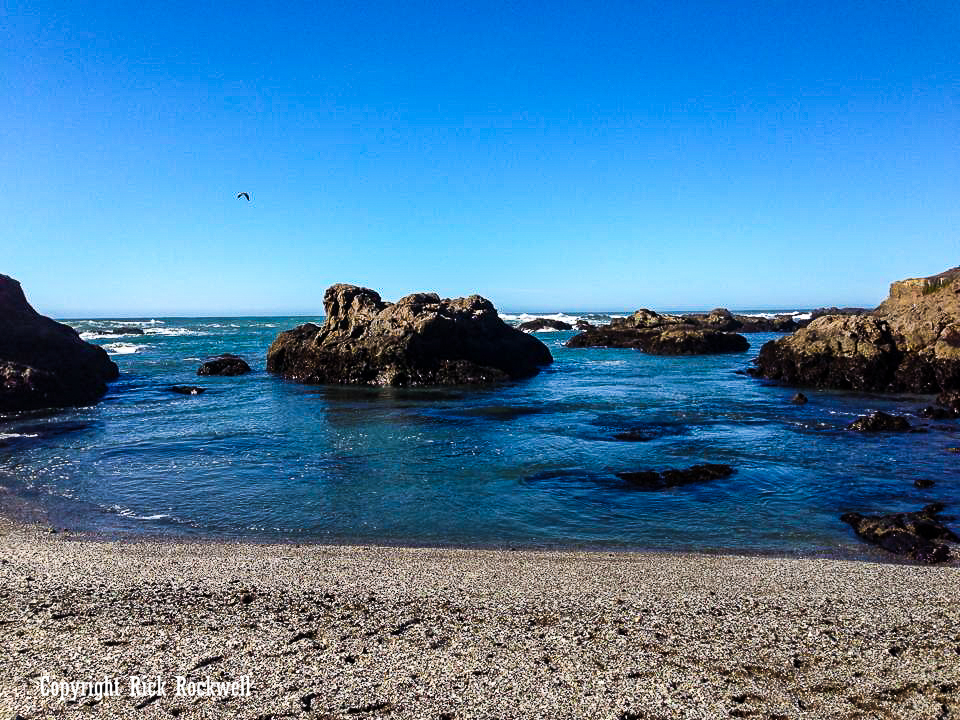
820 312
855 352
949 400
920 535
910 343
583 325
419 340
226 364
799 399
653 480
725 321
187 389
544 324
923 483
935 412
879 422
43 363
668 339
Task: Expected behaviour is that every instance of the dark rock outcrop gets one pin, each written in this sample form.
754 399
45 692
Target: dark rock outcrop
949 400
43 363
820 312
923 483
799 399
419 340
936 412
657 334
653 480
544 324
186 389
921 535
725 321
226 364
879 422
910 343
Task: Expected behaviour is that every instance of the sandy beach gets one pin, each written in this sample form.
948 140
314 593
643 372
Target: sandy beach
355 632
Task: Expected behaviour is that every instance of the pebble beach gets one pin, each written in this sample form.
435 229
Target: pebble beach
392 632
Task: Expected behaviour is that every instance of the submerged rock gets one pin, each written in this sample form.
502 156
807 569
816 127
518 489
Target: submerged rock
921 535
799 399
544 324
43 363
653 480
419 340
910 343
187 389
879 422
226 364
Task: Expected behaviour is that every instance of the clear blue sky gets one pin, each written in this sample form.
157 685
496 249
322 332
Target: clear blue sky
598 155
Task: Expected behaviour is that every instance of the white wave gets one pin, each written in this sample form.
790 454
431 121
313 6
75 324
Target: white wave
191 360
795 314
173 331
100 336
122 348
527 317
7 436
128 513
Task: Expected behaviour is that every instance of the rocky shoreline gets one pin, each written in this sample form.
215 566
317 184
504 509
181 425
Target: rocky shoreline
910 343
365 632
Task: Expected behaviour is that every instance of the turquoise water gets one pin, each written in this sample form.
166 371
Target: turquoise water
531 463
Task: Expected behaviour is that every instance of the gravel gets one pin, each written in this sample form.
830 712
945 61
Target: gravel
384 632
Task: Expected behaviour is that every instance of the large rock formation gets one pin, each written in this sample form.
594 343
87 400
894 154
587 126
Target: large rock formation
658 334
910 343
43 363
419 340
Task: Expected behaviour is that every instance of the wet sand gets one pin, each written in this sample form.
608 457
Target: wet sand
365 632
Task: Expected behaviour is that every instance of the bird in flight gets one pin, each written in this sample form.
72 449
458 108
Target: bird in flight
243 195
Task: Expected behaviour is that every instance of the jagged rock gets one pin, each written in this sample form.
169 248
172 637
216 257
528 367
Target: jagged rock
226 364
799 399
544 324
879 422
855 352
419 340
657 334
653 480
820 312
921 535
43 363
910 343
186 389
670 340
725 321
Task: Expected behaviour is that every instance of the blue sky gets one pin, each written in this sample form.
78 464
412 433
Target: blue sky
547 155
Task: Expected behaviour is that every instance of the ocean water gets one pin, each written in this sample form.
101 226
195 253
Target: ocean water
527 464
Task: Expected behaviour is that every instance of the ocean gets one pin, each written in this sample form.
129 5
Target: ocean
526 464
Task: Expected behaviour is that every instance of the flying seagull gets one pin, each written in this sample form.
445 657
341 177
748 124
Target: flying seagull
243 195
